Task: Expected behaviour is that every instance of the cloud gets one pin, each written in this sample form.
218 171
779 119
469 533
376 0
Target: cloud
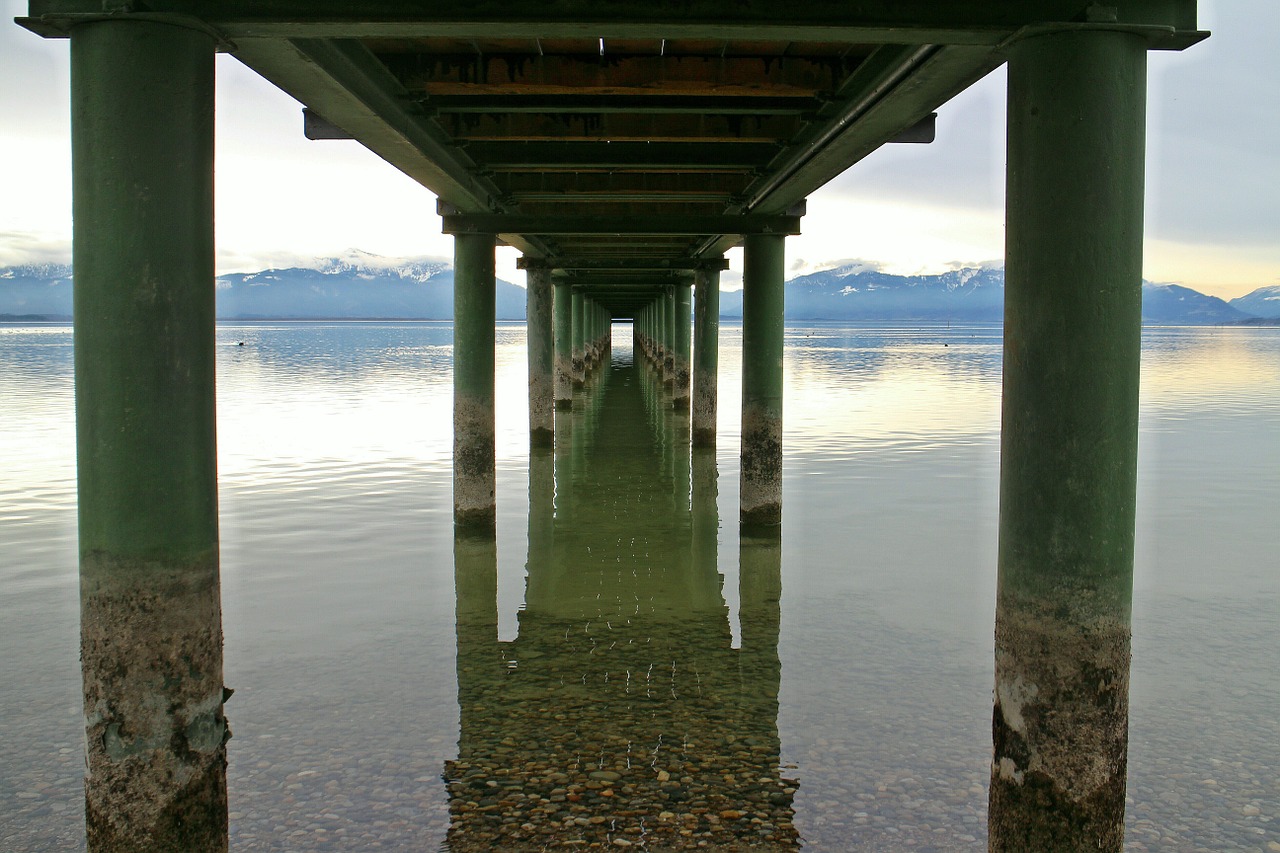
992 264
21 247
849 265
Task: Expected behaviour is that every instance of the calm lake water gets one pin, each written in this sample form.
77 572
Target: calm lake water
396 690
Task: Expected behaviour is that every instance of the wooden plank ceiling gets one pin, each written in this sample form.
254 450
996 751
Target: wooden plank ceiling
620 141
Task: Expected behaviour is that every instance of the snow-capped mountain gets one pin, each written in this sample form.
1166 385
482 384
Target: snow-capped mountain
1263 302
971 294
357 284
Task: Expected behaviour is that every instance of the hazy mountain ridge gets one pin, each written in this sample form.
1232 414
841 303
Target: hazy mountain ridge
1263 302
970 294
358 285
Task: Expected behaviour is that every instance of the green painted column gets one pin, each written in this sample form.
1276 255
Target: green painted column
564 344
706 356
150 615
579 339
669 339
593 334
1068 452
541 349
681 351
762 337
474 293
648 331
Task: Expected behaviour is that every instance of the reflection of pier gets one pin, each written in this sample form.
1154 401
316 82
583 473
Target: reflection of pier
621 712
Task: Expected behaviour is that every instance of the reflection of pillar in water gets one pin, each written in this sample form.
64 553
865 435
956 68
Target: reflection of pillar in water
475 580
759 610
542 496
705 530
621 712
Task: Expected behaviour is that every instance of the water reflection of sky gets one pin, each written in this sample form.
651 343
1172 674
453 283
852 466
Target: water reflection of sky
338 577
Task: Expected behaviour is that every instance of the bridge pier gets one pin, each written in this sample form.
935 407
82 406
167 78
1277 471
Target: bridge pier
563 327
474 295
150 609
762 338
579 339
706 356
1069 441
669 339
541 349
681 301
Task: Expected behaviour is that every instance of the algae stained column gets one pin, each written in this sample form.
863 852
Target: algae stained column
706 356
762 339
579 339
474 295
669 338
682 344
1069 441
541 346
563 323
150 612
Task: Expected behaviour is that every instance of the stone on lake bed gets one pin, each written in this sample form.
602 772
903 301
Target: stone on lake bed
605 775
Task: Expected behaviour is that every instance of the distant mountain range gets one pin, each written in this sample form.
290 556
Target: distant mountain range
971 295
358 285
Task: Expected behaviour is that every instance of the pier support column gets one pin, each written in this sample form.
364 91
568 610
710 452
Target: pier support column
150 612
564 344
541 347
762 333
681 348
579 339
669 338
474 293
1069 441
706 356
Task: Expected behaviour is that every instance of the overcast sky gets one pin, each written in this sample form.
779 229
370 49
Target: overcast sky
1213 173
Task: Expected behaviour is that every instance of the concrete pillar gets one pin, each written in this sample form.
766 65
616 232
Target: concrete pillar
681 350
564 345
579 339
706 356
150 612
762 335
669 338
1069 441
474 292
541 348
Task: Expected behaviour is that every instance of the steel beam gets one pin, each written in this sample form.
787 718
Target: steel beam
586 225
